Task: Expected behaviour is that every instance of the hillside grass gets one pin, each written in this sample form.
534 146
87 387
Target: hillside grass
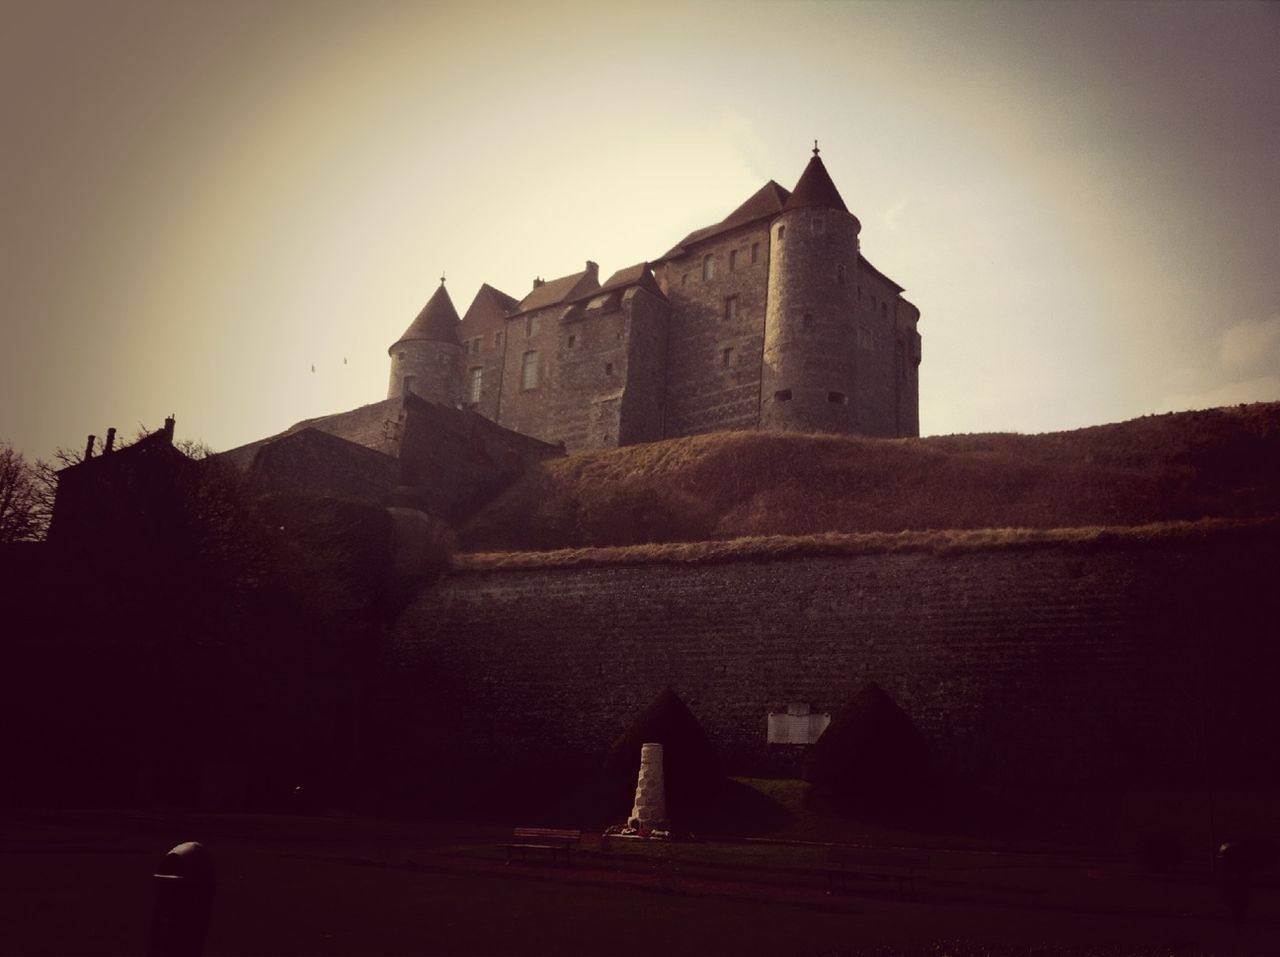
1174 468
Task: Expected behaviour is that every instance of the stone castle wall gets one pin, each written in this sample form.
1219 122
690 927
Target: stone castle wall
1054 664
713 358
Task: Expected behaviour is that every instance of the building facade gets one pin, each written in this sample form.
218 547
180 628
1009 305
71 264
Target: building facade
771 319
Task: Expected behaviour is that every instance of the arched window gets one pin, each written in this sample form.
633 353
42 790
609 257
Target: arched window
708 267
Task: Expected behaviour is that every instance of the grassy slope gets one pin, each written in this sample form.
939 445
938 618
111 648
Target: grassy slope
1175 467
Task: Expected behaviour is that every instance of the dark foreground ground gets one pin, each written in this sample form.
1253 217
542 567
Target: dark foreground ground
79 883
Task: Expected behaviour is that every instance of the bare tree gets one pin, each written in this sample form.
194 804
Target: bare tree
23 517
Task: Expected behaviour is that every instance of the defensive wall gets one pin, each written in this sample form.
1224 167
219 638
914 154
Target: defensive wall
1126 657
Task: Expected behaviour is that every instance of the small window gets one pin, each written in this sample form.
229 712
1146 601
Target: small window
409 381
726 357
572 340
400 356
477 383
733 260
837 398
806 321
755 253
684 278
608 368
782 395
818 224
866 341
859 292
530 326
497 339
708 267
529 371
884 309
840 274
782 231
731 308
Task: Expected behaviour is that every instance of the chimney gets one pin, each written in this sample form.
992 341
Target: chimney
593 270
168 429
111 441
538 281
88 447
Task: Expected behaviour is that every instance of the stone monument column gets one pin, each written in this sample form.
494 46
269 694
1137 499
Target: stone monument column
650 810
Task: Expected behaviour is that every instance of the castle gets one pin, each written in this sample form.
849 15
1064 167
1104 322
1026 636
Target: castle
770 319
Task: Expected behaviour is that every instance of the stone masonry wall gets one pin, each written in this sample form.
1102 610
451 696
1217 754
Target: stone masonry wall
714 349
1058 663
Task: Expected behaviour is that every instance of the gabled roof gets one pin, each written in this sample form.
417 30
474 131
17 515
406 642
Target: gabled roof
767 200
490 303
438 320
558 290
638 275
815 188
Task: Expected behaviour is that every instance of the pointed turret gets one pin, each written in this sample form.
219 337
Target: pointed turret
815 188
425 360
438 321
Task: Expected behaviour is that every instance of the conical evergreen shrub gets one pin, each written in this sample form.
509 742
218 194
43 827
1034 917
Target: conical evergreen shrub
691 766
871 757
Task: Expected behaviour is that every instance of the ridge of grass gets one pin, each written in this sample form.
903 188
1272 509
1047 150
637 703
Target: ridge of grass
722 487
827 544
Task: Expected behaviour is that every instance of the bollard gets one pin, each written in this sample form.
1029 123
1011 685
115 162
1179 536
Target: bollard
184 898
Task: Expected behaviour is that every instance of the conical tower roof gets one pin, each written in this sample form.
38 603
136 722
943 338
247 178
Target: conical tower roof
815 188
438 320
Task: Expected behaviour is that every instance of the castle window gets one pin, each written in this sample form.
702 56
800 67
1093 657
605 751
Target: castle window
731 308
782 231
733 260
477 383
708 267
782 395
409 380
529 371
866 341
400 356
572 340
475 347
818 224
684 278
608 368
884 309
755 253
497 339
530 326
806 321
726 357
837 398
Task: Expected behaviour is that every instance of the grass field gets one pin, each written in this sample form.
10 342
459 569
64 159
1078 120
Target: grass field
1168 468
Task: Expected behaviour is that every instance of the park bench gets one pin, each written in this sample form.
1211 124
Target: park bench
553 840
844 863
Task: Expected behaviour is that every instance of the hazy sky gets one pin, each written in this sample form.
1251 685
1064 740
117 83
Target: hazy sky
201 201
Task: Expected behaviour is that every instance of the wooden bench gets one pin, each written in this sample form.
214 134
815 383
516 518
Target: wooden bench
556 841
844 863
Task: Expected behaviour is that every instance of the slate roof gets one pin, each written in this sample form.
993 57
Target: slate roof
490 303
815 188
558 290
766 201
438 321
638 275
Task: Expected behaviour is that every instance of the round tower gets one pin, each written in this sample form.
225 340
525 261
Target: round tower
810 334
426 359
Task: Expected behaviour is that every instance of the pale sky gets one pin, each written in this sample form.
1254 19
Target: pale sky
201 201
